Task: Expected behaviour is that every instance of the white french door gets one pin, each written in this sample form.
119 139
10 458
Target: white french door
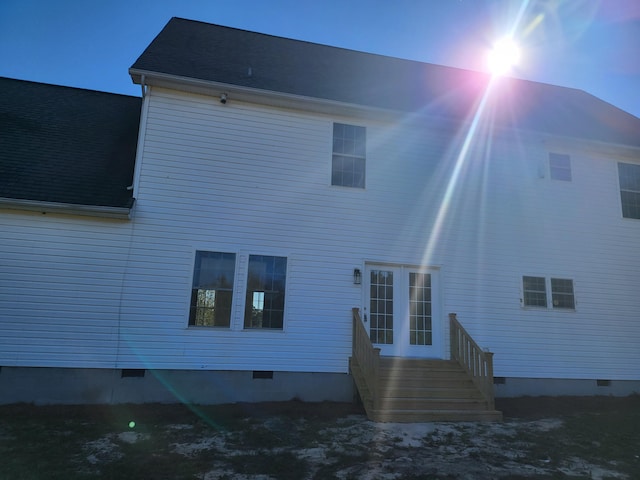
402 311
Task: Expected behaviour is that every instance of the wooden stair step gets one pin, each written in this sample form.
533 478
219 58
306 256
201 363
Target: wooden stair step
446 391
411 416
395 362
396 403
418 390
421 373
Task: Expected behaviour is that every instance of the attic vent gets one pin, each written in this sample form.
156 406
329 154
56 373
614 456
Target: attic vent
132 373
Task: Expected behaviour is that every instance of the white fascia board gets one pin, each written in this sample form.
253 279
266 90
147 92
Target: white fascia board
122 213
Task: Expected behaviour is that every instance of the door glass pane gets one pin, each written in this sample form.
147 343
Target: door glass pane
381 307
420 328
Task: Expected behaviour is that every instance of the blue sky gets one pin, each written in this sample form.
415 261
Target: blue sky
592 45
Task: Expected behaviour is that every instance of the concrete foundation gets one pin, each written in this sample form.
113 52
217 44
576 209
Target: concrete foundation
42 386
536 387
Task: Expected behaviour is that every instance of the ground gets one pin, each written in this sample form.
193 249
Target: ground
541 438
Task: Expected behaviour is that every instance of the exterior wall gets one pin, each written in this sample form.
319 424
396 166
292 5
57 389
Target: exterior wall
256 180
61 281
248 179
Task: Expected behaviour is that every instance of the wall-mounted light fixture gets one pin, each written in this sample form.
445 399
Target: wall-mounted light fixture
223 98
357 276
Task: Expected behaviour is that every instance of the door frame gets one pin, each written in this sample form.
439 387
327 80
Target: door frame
401 346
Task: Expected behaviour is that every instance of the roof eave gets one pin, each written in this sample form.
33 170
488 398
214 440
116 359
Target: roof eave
255 95
333 107
120 213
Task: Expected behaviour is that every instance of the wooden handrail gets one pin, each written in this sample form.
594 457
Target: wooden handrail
477 362
367 356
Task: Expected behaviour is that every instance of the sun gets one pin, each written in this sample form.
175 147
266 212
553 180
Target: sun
504 55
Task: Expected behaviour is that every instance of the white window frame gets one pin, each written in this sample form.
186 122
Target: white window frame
621 190
241 275
194 255
560 168
548 293
347 155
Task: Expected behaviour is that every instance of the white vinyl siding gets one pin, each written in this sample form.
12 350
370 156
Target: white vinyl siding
253 181
61 282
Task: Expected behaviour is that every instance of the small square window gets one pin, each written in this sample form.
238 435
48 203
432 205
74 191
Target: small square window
560 166
535 291
349 155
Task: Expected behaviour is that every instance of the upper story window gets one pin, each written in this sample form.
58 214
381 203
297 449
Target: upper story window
266 281
535 291
535 294
560 166
212 291
349 155
562 293
629 176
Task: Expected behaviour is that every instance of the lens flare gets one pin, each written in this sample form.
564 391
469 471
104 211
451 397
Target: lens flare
504 55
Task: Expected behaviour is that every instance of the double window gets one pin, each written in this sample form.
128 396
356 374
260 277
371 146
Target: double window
535 293
349 155
629 177
212 293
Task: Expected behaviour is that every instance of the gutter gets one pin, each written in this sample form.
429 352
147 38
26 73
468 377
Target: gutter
120 213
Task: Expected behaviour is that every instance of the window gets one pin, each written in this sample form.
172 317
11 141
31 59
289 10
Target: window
420 327
560 166
212 291
349 153
562 293
266 283
629 176
535 292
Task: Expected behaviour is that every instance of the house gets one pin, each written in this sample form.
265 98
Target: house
290 217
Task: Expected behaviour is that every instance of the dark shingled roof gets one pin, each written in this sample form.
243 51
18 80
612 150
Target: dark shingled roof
66 145
214 53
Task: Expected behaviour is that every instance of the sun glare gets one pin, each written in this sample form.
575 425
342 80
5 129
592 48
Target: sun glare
504 55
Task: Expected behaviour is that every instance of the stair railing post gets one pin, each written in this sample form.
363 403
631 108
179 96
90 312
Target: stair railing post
489 381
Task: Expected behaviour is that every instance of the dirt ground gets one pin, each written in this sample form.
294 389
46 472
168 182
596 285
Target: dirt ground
594 438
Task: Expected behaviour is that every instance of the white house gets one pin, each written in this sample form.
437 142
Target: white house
280 184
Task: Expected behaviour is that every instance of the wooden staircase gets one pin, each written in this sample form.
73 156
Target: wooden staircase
394 389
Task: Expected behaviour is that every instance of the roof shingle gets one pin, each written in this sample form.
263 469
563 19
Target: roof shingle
202 51
66 145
